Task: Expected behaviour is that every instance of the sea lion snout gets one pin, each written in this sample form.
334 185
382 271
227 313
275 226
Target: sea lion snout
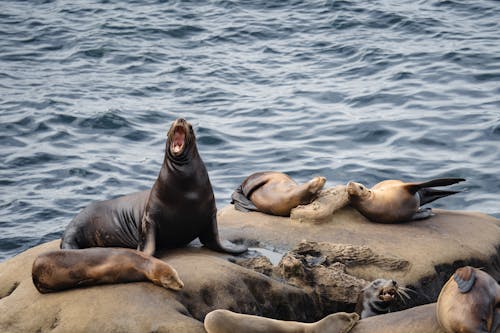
179 136
355 189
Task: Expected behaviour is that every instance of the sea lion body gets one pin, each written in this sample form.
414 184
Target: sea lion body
179 208
393 201
377 297
65 269
274 193
469 303
224 321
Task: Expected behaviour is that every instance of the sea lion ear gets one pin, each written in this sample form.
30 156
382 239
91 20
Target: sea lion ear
465 278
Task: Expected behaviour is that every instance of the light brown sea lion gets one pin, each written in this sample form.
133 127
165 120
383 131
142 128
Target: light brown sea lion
469 302
224 321
64 269
378 297
393 201
274 193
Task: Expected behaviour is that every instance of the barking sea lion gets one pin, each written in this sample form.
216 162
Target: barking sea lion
179 208
378 296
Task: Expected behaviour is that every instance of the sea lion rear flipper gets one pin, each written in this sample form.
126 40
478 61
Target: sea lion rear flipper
241 202
415 187
210 238
429 195
422 213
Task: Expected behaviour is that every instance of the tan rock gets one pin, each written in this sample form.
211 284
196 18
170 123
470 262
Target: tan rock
423 254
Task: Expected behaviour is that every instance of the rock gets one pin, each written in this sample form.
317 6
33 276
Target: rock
421 255
329 267
211 282
322 208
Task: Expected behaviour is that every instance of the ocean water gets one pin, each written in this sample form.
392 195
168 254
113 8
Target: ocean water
351 90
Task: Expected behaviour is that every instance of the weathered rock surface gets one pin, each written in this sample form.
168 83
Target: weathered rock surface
344 250
424 253
211 282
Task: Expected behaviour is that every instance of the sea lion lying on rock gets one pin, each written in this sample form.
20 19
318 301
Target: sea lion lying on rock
274 193
179 208
60 270
469 302
224 321
393 201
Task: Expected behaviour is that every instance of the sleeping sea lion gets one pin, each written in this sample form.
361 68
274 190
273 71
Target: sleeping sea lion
469 302
64 269
224 321
274 193
393 201
378 296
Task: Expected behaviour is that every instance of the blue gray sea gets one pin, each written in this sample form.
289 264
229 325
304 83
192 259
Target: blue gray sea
351 90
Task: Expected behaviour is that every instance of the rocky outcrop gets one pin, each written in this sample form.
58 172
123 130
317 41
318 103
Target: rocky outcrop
325 265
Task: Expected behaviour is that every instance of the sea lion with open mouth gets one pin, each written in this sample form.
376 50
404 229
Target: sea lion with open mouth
393 201
378 296
179 208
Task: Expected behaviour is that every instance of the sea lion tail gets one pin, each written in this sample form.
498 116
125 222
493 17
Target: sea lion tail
429 195
241 202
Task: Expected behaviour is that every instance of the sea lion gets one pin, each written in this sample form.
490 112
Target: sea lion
469 302
64 269
378 296
393 201
179 208
224 321
274 193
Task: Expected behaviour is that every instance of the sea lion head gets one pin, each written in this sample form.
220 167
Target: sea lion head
358 190
377 297
180 138
383 290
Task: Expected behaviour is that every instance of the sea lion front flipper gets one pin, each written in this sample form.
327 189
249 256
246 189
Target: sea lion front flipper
241 202
465 278
147 236
210 238
422 213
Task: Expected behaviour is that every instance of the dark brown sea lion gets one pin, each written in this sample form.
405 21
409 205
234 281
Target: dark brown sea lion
64 269
393 201
469 302
378 297
274 193
224 321
179 208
